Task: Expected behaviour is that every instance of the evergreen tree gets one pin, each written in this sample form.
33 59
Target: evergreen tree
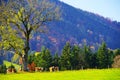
44 59
88 56
103 56
56 60
39 61
65 57
117 52
110 58
48 58
31 58
94 61
81 58
75 57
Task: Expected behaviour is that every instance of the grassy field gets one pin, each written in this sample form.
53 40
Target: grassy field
106 74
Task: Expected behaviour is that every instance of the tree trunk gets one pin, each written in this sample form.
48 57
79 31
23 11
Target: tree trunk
25 62
25 57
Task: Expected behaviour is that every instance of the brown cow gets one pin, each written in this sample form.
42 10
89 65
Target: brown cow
56 68
11 70
38 69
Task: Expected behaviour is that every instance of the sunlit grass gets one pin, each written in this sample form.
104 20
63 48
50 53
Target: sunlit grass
104 74
7 63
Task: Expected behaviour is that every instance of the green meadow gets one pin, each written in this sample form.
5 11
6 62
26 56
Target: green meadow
95 74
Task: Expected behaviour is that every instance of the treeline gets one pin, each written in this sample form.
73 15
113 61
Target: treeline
74 58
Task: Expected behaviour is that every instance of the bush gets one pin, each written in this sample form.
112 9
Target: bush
116 63
32 66
3 69
11 66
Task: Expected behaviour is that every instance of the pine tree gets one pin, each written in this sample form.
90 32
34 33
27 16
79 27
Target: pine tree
110 58
65 57
103 56
48 58
81 58
94 61
88 56
75 57
31 58
44 59
56 60
117 52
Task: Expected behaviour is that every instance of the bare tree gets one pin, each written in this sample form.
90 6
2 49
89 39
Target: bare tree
25 17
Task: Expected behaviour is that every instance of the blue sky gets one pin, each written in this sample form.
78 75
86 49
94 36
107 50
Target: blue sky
106 8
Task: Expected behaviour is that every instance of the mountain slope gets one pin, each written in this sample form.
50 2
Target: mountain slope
78 27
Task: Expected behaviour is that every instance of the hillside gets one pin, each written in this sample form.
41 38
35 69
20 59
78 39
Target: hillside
78 27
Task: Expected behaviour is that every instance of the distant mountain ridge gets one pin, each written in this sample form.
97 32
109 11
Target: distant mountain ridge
78 27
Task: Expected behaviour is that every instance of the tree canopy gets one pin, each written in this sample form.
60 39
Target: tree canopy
21 19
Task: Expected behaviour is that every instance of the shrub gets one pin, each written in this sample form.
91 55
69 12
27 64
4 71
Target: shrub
116 63
3 69
11 66
31 66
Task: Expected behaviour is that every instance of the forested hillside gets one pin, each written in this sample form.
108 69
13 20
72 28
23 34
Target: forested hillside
78 27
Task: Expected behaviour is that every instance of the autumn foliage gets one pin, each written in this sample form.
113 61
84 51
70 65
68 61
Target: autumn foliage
31 66
116 63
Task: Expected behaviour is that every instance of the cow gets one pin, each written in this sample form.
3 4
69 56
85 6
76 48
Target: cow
56 68
53 69
39 69
11 70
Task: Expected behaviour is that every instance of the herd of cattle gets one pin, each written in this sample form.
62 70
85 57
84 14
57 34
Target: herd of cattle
51 69
37 69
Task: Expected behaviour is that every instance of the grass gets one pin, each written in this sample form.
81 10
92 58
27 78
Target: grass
104 74
7 63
